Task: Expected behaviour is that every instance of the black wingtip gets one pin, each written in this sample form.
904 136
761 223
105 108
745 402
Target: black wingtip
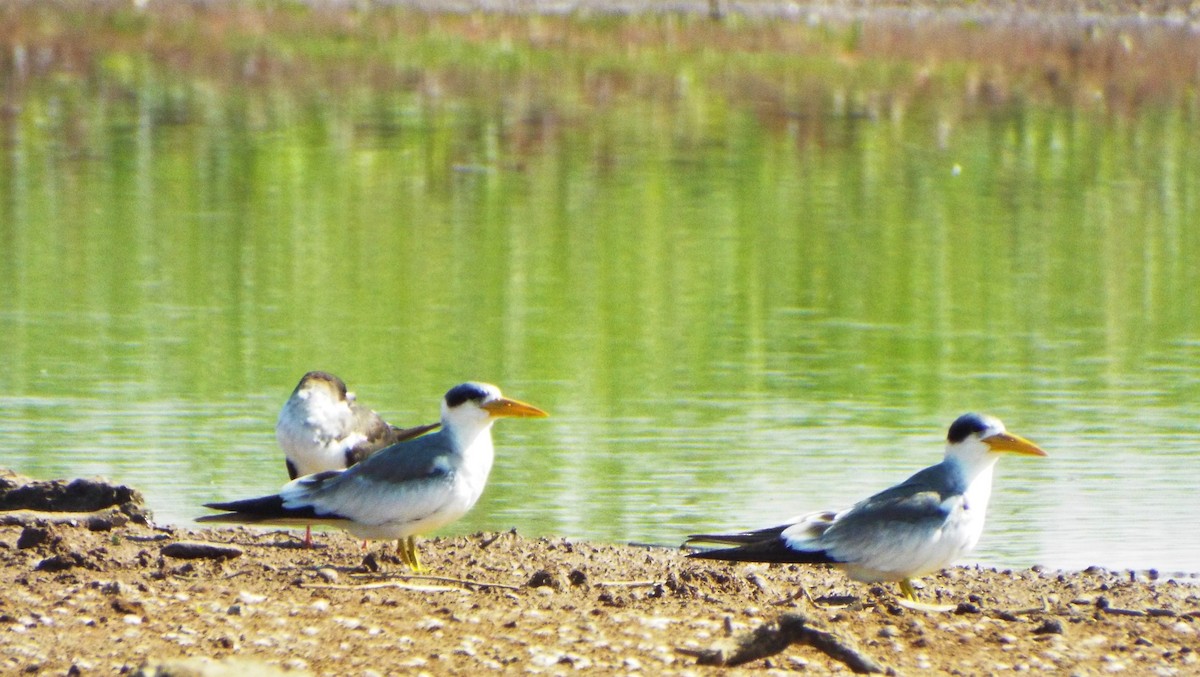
770 552
264 507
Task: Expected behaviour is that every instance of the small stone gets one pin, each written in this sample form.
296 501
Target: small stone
348 623
250 598
543 578
889 631
200 550
430 624
127 606
61 562
328 575
31 537
1050 626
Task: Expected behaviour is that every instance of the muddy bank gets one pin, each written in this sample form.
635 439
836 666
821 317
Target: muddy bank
81 601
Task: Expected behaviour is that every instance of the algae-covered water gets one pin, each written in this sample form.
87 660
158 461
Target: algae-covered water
751 267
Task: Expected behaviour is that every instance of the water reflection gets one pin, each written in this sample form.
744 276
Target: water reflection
731 323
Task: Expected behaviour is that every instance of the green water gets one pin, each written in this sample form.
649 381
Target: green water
732 318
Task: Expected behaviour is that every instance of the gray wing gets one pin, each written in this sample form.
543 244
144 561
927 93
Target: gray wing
894 518
378 433
401 483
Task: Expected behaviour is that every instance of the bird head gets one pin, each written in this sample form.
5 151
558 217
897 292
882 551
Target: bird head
979 436
479 404
322 384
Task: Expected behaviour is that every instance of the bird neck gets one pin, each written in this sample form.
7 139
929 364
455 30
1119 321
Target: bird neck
972 459
474 446
975 473
471 436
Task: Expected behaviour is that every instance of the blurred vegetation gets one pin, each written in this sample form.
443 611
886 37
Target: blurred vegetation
186 58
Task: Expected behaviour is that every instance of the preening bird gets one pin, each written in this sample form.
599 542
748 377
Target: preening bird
323 427
907 531
404 490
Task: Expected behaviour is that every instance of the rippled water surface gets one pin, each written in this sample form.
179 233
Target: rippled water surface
733 318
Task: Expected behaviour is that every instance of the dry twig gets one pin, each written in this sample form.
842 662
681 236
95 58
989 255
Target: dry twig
462 582
625 584
383 584
791 628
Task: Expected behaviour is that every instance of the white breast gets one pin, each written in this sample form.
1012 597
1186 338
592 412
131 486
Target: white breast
314 432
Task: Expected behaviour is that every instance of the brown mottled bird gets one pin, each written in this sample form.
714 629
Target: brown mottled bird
404 490
322 427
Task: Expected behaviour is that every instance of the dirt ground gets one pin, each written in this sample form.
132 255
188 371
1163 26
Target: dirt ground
124 600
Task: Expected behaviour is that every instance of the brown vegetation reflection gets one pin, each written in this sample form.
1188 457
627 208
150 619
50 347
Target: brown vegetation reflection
787 61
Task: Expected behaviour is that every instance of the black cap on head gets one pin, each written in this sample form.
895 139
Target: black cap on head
964 426
465 391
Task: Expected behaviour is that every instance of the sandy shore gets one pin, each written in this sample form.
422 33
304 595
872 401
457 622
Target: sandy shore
117 599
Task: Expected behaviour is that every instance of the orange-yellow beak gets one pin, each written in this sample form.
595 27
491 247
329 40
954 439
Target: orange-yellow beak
506 407
1013 443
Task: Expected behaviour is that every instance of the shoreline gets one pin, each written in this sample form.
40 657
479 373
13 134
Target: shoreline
131 596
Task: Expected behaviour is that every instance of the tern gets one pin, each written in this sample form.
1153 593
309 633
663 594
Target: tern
402 491
907 531
323 427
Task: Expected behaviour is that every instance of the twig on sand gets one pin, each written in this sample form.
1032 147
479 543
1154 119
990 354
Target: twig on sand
461 582
625 584
488 540
383 584
1013 615
1045 607
790 628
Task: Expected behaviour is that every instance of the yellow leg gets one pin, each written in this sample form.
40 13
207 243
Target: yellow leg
414 558
910 600
406 549
401 552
